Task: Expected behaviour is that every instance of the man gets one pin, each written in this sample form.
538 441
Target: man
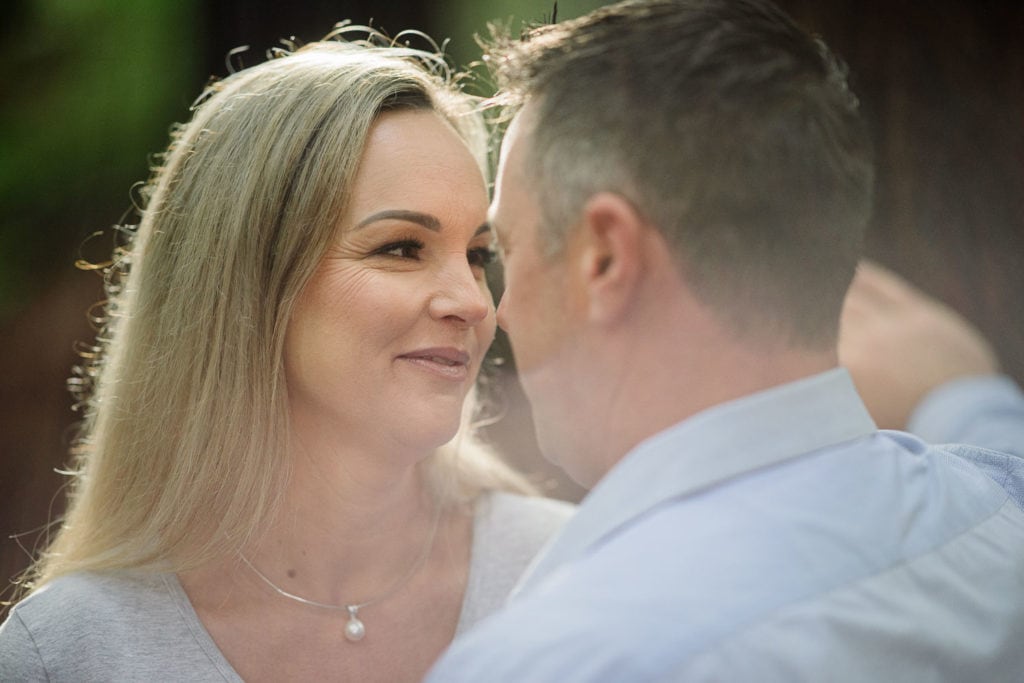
681 201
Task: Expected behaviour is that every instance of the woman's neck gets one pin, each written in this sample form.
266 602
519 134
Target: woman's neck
344 535
350 525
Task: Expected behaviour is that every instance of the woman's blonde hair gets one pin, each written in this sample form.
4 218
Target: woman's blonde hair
180 457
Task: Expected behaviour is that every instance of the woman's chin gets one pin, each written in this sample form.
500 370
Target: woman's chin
430 435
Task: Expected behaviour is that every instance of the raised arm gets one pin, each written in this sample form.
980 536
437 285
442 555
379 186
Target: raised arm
922 367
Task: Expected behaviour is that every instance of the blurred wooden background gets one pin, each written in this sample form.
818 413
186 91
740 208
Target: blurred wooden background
942 82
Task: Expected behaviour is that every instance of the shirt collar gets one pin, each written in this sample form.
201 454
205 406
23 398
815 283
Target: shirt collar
711 447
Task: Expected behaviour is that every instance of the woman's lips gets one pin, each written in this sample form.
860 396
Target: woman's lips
447 362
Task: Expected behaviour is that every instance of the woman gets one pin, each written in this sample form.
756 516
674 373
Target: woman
265 487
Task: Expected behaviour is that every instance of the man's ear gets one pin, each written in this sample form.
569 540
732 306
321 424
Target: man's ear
612 238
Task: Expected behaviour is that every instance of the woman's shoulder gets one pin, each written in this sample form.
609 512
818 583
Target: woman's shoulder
57 628
521 520
66 597
96 626
508 531
93 598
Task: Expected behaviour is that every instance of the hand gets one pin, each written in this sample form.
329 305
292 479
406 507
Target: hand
899 344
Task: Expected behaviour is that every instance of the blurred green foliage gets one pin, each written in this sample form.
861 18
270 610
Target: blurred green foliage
85 86
463 20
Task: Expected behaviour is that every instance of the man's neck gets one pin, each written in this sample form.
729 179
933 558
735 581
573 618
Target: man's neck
675 362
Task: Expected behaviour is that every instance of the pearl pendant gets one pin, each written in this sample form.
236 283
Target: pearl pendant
354 629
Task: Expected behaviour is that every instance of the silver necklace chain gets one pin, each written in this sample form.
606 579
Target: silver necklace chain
355 630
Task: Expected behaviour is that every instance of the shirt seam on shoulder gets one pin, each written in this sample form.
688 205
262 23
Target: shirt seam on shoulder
192 630
955 453
896 566
35 645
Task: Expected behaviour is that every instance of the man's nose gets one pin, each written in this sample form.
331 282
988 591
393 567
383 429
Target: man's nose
502 306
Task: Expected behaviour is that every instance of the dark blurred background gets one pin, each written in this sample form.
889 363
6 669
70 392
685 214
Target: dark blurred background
88 91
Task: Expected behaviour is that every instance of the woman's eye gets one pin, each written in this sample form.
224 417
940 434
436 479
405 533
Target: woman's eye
404 249
480 256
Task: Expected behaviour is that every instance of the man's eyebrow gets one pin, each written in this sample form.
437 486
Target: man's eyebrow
425 219
486 227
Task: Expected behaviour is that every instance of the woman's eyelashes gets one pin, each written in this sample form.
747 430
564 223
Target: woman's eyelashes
404 249
412 249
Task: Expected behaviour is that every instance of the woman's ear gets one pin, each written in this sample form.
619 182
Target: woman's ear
611 255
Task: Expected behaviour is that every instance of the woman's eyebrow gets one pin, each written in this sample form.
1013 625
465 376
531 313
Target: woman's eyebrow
425 219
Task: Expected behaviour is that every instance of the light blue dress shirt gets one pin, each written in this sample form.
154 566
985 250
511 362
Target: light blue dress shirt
982 411
779 537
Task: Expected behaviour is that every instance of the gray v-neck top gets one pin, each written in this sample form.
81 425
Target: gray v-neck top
133 626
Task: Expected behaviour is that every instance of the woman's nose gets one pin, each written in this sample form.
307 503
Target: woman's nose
460 297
